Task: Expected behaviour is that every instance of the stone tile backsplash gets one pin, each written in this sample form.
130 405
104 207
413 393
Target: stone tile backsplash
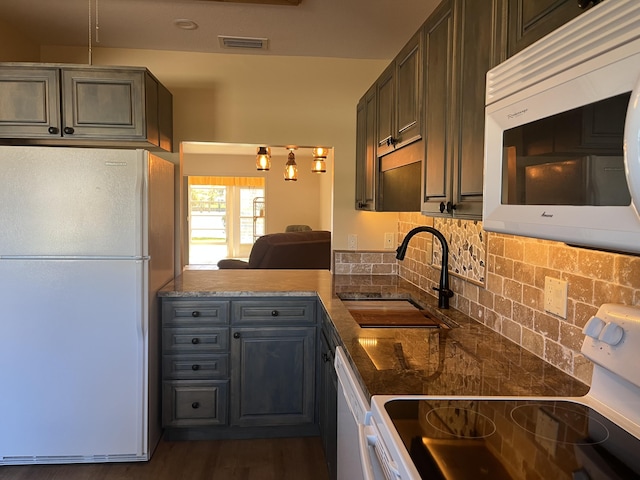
508 295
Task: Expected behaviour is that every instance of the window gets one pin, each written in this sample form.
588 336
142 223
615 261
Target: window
226 215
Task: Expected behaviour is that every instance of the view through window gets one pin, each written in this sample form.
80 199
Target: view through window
226 216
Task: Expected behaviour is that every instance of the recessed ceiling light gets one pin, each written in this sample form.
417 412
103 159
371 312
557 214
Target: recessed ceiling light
185 24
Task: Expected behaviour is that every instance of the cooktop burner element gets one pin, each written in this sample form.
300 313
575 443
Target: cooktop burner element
560 423
460 422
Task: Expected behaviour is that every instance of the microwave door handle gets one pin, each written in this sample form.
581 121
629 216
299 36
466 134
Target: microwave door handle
632 147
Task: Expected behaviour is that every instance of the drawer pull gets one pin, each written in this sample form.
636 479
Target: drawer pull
195 341
274 313
195 405
195 367
53 130
236 335
68 130
195 313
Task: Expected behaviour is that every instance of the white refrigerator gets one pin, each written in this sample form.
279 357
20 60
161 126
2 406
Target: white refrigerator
86 240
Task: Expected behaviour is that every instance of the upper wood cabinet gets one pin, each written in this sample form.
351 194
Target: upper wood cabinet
399 99
84 106
463 39
366 157
530 20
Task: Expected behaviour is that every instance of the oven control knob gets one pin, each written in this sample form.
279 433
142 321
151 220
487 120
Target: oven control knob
593 327
612 334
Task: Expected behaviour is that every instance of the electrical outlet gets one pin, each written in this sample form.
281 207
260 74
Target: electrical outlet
555 296
352 241
388 240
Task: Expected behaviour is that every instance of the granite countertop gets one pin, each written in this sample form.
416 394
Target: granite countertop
468 359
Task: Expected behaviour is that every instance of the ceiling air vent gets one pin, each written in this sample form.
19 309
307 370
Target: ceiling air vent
244 42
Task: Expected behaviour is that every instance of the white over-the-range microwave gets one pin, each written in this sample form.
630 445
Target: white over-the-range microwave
562 138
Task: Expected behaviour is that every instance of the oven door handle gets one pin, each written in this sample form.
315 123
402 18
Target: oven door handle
370 440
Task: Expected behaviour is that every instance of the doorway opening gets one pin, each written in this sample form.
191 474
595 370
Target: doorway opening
225 217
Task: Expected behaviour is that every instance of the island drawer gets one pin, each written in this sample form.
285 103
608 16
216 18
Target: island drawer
274 311
195 366
195 340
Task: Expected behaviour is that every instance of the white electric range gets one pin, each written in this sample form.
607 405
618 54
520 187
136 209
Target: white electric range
580 438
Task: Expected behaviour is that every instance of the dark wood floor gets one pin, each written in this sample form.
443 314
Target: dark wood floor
262 459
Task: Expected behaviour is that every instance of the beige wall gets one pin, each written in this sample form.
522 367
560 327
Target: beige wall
267 100
15 47
512 300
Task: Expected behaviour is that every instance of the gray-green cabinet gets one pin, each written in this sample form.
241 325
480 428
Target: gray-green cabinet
463 39
195 362
273 345
51 104
328 394
238 363
272 375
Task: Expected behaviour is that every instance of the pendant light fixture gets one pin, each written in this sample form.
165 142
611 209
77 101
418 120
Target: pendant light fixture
319 160
263 159
291 168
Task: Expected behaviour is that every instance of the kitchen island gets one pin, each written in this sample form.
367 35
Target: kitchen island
467 359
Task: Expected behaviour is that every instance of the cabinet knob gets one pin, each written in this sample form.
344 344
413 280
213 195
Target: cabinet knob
450 207
195 405
195 313
195 341
195 367
325 358
236 335
392 142
68 130
442 207
585 3
274 313
54 130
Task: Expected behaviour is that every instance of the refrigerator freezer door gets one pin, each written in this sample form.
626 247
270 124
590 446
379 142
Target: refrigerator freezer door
72 201
73 367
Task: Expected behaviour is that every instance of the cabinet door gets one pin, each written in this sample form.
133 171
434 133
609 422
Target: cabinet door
103 104
29 102
366 152
478 42
273 376
438 55
409 92
328 408
385 93
530 20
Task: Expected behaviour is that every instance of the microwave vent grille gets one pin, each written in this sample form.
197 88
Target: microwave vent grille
607 26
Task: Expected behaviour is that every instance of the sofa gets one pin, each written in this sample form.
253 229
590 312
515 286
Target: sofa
287 250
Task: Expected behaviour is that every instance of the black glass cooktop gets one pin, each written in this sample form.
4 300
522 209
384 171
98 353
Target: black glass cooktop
505 439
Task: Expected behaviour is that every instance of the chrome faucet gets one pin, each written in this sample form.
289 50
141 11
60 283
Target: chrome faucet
444 293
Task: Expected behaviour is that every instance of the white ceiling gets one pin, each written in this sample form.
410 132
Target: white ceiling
365 29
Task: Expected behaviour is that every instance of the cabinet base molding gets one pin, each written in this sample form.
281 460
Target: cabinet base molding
227 433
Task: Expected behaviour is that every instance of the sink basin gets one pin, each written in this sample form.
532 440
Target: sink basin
380 313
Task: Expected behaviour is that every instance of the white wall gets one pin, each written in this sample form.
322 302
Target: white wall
273 100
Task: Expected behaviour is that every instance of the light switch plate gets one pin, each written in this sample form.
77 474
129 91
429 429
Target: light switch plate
352 241
555 296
